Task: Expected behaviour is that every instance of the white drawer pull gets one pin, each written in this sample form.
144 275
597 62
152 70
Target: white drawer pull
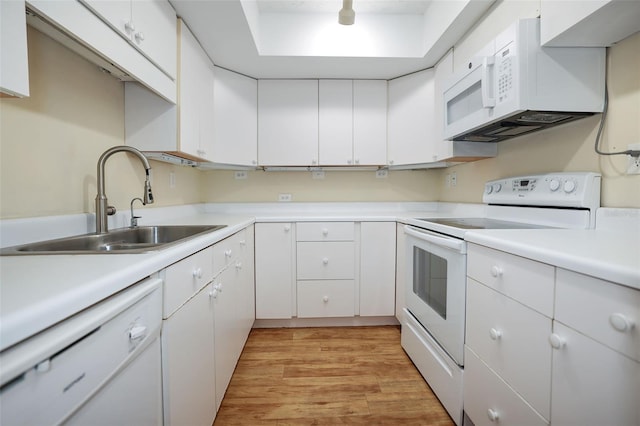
557 342
227 253
287 228
496 271
238 265
495 334
325 231
137 332
325 299
620 322
197 273
325 260
493 415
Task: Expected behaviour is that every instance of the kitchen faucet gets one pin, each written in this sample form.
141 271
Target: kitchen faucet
103 209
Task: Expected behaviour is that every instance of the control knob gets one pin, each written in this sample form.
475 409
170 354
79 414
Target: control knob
554 185
569 186
497 187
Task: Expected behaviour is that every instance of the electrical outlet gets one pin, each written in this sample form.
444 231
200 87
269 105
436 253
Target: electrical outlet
284 198
633 163
240 174
454 179
172 180
382 174
317 174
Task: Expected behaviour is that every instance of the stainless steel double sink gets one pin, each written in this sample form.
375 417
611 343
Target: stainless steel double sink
124 240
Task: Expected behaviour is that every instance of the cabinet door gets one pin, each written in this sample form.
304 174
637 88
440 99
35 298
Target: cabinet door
592 384
442 149
14 62
196 97
377 268
369 122
335 121
155 32
274 260
188 368
235 119
288 122
116 13
411 109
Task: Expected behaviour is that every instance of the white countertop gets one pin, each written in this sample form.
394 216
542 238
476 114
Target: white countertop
609 255
39 291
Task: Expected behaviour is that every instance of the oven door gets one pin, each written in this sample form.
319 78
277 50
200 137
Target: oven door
435 288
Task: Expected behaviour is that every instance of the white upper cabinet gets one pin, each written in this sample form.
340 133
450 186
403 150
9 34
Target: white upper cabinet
94 30
14 64
335 118
235 119
186 129
587 23
150 26
411 111
288 122
370 122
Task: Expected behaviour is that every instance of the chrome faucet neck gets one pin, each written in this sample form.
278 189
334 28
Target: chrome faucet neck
102 206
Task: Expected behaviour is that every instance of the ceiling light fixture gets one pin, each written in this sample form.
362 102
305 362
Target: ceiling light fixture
346 16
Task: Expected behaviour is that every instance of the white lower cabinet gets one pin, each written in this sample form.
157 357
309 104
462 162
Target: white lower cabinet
188 362
377 268
274 270
578 365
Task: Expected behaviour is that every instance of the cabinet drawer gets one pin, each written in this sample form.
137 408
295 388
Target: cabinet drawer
592 385
530 283
513 341
486 395
604 311
330 260
228 250
325 231
326 298
185 278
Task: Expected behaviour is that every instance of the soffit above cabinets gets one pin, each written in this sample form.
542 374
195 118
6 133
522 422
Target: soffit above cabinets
302 39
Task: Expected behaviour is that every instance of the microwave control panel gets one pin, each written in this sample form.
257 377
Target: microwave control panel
505 63
564 189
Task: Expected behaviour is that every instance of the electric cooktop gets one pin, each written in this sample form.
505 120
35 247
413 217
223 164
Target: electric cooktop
480 223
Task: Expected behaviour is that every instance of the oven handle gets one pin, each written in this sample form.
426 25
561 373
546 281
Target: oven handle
431 237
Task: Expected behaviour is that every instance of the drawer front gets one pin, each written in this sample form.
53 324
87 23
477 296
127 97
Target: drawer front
604 311
512 340
326 298
330 260
185 278
530 283
227 251
592 384
488 400
325 231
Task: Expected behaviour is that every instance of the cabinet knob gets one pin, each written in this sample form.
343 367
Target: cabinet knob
197 273
218 287
139 37
287 228
557 341
325 260
130 27
496 271
325 299
325 231
493 415
357 161
621 322
349 162
213 294
254 162
227 253
243 243
238 265
495 334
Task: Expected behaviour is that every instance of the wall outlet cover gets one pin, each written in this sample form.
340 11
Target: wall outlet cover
285 198
319 174
382 174
240 174
633 163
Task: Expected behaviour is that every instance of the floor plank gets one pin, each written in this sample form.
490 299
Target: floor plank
328 376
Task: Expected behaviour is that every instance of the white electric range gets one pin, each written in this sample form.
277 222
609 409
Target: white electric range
435 290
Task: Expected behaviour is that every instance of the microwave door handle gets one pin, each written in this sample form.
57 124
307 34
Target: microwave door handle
487 101
450 243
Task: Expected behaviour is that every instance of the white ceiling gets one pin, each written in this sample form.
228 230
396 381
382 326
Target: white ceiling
302 39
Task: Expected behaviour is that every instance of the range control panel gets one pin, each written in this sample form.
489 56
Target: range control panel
566 189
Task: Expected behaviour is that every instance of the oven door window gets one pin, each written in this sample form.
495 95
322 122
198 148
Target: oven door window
430 280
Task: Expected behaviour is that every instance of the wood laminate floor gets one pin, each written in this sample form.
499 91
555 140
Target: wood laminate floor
328 376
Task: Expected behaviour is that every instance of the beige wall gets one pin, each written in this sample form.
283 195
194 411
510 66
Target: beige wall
565 148
418 185
51 141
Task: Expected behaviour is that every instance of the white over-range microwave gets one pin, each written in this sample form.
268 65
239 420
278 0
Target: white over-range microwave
514 86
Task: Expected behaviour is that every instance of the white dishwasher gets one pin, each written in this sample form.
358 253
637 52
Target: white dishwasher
100 367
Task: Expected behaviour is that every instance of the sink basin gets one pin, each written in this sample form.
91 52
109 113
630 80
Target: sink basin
124 240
